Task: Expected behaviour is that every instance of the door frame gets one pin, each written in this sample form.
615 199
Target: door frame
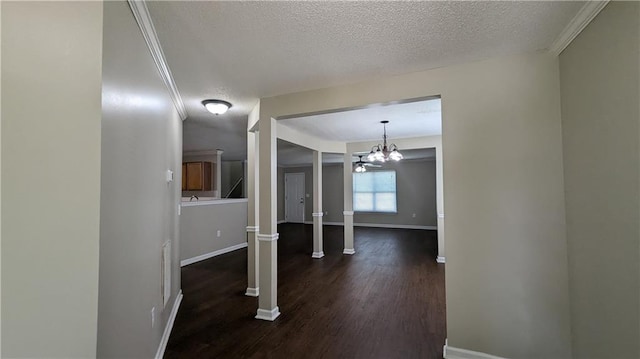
304 204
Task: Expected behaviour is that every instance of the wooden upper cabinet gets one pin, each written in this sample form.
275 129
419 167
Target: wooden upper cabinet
184 176
197 176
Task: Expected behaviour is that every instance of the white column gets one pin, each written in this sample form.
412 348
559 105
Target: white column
251 178
219 173
348 205
317 205
245 163
440 202
268 237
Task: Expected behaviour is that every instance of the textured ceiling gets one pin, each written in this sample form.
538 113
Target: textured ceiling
291 155
243 51
413 119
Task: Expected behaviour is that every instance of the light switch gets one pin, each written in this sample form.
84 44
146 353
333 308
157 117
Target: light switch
169 176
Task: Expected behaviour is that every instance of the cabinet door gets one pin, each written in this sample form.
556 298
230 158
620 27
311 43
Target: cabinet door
184 176
206 176
194 176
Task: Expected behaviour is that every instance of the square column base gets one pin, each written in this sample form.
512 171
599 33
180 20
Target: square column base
269 315
349 251
317 255
252 292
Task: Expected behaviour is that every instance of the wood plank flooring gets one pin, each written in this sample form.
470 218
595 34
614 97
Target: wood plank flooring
386 301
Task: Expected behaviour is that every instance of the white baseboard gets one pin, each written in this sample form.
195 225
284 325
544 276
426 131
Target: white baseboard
349 251
282 221
188 261
379 225
440 259
269 315
167 329
252 292
317 254
457 353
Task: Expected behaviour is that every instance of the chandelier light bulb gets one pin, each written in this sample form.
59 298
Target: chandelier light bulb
382 153
395 155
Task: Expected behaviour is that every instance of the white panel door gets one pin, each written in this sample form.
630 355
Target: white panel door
294 197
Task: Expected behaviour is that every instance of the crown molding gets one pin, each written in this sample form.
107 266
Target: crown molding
587 13
143 18
200 153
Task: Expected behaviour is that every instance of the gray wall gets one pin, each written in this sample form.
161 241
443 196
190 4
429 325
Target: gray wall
507 275
600 116
416 186
51 90
141 140
199 226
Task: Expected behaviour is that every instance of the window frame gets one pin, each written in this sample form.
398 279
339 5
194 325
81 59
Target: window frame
374 192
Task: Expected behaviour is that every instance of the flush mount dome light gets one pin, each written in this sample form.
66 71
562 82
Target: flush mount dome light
216 107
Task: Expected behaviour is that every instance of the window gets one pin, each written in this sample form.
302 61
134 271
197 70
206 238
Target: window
374 191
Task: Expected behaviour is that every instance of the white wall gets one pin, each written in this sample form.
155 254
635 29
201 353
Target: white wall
51 91
600 80
141 140
507 280
0 178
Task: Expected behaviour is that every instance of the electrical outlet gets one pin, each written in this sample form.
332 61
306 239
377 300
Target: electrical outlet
218 233
326 213
413 215
153 317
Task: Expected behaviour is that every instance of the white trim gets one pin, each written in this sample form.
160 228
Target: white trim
269 315
253 228
317 254
317 214
214 202
347 213
584 16
252 292
457 353
167 329
281 221
349 251
200 153
440 215
440 259
141 14
268 237
379 225
202 257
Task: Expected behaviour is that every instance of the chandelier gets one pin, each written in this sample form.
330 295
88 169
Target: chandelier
384 153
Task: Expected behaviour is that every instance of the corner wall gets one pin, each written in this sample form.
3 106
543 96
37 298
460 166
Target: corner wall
51 91
507 276
600 78
141 140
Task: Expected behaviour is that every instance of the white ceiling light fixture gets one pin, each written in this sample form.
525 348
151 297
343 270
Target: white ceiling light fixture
382 152
361 166
216 107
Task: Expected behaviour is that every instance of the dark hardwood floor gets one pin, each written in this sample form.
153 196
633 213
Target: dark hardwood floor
386 301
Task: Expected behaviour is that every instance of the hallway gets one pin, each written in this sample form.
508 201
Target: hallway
386 301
